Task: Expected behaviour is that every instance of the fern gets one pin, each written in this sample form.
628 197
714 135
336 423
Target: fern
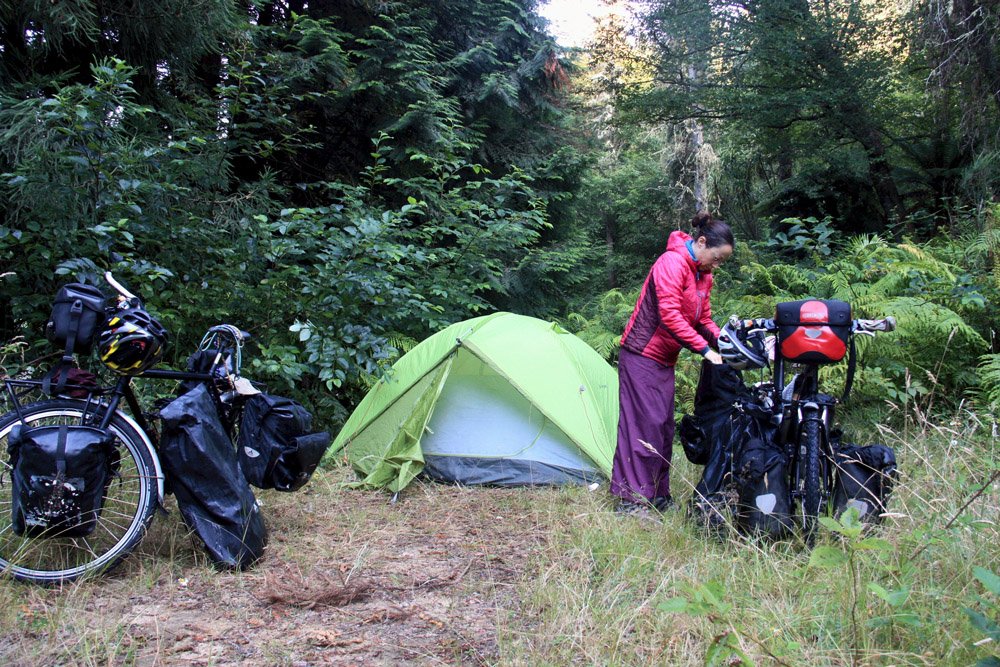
987 244
601 321
930 289
989 380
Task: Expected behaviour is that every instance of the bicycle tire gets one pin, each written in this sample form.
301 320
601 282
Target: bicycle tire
810 477
129 506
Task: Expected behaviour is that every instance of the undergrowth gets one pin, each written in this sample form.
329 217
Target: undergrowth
919 589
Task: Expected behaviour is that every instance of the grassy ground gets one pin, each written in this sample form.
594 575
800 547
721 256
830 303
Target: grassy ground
453 575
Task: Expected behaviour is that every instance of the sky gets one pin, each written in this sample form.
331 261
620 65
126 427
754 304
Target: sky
571 22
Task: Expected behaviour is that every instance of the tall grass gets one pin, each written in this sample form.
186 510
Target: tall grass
616 590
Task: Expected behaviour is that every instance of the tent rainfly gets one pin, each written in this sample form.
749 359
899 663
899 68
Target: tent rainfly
502 399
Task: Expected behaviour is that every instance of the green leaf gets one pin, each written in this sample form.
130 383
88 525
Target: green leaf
990 580
827 557
874 544
983 623
676 605
851 522
894 598
830 524
909 619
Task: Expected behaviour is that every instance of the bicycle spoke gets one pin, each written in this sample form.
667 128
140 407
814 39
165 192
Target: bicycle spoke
116 527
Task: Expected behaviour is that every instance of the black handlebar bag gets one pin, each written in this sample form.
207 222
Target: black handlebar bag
276 448
59 478
205 476
77 315
813 331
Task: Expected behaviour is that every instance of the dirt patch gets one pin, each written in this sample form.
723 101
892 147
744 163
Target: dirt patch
349 578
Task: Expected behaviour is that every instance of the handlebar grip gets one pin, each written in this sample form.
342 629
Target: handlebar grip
738 324
118 286
886 324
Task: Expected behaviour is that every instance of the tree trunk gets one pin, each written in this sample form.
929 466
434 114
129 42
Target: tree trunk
971 15
699 172
609 242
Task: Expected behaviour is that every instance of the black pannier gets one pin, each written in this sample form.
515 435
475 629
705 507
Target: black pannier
211 490
59 478
276 448
864 479
813 331
765 502
77 315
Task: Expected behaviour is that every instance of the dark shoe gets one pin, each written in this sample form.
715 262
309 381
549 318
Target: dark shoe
663 503
639 510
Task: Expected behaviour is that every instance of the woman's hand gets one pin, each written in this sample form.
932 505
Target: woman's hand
714 357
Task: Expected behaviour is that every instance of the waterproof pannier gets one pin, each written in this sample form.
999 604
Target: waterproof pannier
275 445
813 331
765 501
211 490
59 478
864 479
77 315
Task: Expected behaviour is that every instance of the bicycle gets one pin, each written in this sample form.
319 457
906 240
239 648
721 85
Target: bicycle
807 338
137 487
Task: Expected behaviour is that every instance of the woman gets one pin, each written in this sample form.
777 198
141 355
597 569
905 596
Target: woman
673 311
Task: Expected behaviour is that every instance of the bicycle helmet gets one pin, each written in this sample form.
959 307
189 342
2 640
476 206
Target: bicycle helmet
131 342
742 353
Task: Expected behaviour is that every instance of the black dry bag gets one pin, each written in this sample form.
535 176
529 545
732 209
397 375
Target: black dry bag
864 479
59 478
212 492
275 447
765 503
719 387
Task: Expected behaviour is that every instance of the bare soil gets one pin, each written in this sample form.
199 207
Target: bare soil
349 578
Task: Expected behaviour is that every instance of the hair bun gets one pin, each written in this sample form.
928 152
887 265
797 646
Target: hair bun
702 219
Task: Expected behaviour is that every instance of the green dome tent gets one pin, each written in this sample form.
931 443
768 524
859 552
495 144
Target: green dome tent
500 399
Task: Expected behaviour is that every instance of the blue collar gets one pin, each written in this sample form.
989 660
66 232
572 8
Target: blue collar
690 247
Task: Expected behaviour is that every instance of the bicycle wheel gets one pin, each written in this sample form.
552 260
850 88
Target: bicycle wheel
128 507
810 477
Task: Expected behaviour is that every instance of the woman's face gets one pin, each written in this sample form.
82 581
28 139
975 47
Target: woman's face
710 258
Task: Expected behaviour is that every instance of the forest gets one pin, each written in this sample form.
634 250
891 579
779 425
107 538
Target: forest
343 178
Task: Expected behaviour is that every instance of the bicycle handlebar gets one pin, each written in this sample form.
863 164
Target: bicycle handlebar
770 326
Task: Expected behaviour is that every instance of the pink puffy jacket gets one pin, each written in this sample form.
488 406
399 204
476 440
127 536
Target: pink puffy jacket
673 310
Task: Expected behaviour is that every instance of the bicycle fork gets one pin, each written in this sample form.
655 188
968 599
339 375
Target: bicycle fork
811 412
